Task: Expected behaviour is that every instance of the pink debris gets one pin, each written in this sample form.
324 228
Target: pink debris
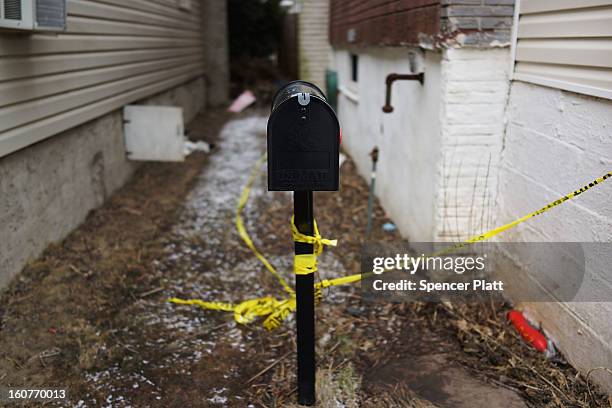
242 102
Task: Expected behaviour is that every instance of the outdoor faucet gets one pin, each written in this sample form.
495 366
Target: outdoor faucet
399 77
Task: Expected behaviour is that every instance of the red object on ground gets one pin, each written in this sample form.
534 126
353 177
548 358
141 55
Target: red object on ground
242 102
340 135
530 334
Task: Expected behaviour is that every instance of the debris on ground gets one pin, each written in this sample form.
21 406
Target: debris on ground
243 101
389 227
529 333
199 146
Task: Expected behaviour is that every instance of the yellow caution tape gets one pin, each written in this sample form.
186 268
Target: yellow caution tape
316 240
305 264
345 280
244 197
247 311
487 235
226 307
276 311
547 207
279 313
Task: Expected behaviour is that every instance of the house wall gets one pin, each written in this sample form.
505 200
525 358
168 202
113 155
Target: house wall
470 150
556 142
383 23
477 23
440 147
466 47
474 93
47 189
474 23
289 50
408 139
61 97
471 39
566 45
314 48
113 53
216 38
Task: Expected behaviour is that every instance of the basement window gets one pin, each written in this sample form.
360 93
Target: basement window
354 67
348 86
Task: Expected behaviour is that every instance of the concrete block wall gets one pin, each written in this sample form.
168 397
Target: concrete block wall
474 92
478 22
47 189
216 51
556 142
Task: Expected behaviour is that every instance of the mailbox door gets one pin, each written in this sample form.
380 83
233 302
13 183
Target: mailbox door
303 146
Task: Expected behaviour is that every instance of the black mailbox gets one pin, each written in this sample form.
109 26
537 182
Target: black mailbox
303 140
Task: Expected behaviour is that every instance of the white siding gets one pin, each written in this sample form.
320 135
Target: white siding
566 44
113 52
315 51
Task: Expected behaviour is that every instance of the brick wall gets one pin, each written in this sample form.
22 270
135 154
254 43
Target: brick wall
383 22
474 93
479 22
473 23
313 41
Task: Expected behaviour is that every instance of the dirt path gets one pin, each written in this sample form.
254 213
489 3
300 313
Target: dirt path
91 314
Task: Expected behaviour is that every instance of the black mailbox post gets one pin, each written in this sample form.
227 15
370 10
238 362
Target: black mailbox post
303 156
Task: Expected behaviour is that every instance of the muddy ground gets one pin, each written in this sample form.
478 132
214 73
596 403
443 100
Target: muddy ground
91 314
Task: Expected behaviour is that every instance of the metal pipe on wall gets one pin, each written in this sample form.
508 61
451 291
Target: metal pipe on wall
399 77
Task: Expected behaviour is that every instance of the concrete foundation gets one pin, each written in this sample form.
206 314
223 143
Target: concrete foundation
47 189
216 52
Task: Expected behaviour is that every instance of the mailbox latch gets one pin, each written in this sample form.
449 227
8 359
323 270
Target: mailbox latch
304 99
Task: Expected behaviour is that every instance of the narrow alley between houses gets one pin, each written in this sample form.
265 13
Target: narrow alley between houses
91 315
289 203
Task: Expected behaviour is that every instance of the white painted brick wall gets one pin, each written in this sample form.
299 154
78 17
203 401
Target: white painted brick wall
408 138
314 48
436 183
553 143
434 176
556 142
474 92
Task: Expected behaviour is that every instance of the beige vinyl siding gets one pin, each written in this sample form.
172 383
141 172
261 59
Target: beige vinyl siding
113 52
566 44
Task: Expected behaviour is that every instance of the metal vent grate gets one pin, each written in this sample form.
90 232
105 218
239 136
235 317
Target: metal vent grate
11 9
51 13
